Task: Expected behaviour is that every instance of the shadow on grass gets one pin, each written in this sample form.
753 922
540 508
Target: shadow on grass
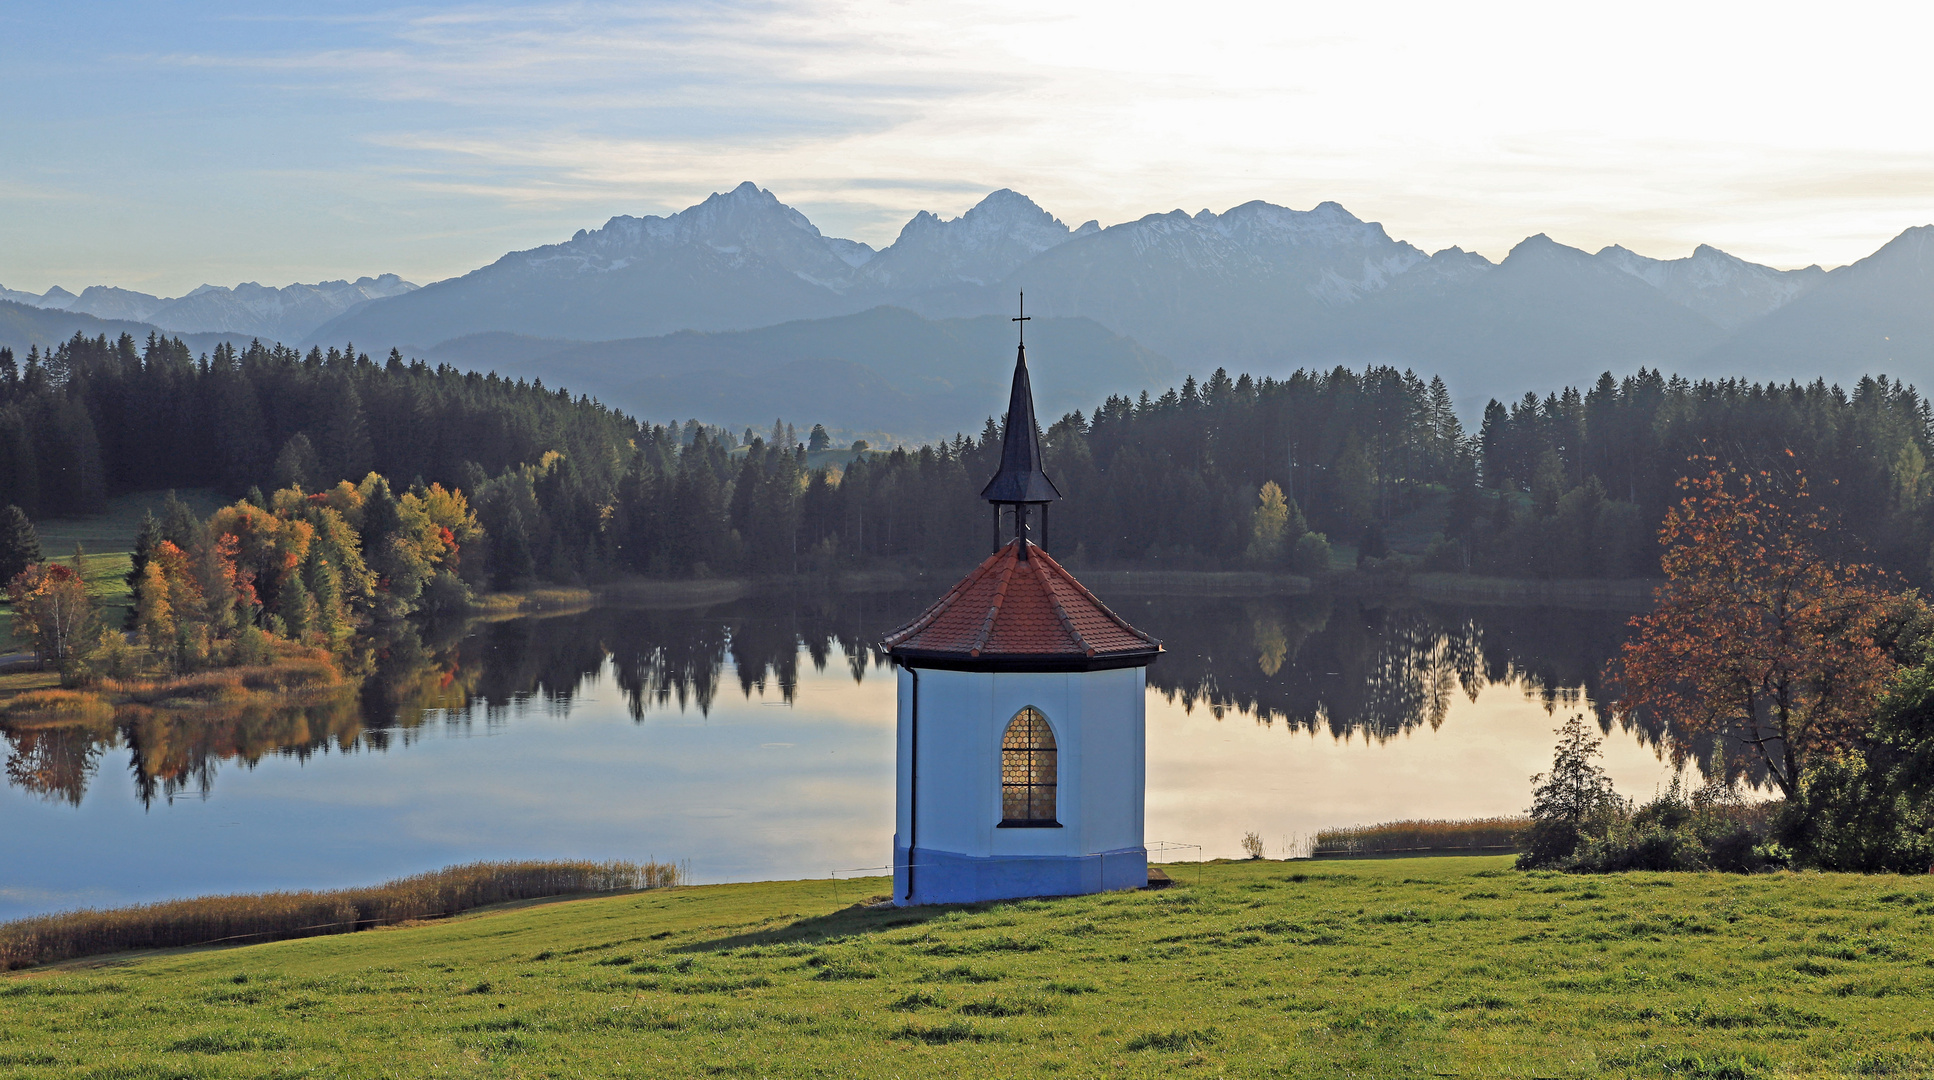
851 921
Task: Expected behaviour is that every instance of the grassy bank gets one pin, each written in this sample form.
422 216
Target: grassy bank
1405 967
280 916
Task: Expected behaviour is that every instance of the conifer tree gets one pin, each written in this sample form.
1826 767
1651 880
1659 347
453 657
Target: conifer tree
295 465
19 542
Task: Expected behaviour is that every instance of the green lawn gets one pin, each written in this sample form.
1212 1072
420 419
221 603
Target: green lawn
1398 968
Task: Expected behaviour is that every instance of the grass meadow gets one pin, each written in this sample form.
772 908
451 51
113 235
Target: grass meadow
1456 966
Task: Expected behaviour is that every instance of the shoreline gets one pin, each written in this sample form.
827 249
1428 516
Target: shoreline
1619 595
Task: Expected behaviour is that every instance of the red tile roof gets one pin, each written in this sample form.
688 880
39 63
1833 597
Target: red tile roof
1026 609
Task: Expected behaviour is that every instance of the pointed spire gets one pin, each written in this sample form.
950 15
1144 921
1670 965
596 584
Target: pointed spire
1020 479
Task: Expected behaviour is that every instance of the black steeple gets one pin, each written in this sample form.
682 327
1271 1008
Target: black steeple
1020 483
1020 479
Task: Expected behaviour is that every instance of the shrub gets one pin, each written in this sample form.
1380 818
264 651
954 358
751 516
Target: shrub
1581 825
1447 555
1565 801
1311 555
1872 809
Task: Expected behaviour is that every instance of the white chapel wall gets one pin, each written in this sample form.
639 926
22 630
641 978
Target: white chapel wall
1097 719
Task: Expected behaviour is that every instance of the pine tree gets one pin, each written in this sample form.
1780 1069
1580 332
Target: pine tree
19 543
145 539
179 526
296 466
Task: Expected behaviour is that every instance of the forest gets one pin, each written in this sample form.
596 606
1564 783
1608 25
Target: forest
1373 462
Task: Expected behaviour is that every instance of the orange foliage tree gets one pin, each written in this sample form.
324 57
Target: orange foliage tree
1758 636
51 610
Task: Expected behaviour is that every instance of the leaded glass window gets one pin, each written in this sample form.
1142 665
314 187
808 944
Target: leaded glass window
1027 770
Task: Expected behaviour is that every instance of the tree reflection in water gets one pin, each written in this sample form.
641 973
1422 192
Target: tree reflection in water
1351 666
1375 669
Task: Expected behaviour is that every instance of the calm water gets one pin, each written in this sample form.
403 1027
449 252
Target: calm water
754 740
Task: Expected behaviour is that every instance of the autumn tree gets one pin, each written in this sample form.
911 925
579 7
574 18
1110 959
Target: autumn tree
51 610
1759 637
1274 526
154 615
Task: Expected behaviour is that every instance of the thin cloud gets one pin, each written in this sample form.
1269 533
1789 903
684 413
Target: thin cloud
1474 126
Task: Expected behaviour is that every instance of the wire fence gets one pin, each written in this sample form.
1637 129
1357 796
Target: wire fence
1159 851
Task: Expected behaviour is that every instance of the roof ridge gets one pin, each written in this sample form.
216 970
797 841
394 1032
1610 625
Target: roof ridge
1060 612
994 609
1096 601
991 617
926 618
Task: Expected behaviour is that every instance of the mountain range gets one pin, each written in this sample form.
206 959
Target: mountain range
1259 288
289 314
739 308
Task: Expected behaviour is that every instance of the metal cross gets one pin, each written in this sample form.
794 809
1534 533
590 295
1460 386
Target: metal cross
1023 318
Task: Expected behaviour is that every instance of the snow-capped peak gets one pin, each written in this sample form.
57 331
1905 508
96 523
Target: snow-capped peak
745 223
1723 287
985 244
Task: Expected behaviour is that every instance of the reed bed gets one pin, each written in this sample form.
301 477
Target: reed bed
55 708
286 675
249 918
1405 837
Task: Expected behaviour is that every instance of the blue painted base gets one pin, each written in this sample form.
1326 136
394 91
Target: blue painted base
945 877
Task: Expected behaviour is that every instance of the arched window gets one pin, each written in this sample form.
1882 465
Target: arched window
1027 771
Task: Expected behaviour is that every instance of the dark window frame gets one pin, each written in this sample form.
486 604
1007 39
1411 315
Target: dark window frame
1030 772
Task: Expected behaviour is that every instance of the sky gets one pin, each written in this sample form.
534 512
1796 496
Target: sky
158 146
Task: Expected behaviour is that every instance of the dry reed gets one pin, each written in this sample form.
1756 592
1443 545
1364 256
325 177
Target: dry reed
55 707
210 920
1403 837
291 675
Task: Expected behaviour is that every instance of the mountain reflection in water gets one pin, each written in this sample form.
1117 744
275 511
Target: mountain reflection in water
1348 666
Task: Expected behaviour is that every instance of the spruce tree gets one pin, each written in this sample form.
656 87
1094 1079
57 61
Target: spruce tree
296 465
19 543
179 524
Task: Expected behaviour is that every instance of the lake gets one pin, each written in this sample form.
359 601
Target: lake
754 740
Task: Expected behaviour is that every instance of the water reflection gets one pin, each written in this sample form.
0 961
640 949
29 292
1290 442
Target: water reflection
1373 668
1347 666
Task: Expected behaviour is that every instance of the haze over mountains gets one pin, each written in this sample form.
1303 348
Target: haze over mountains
885 370
739 308
288 314
1259 287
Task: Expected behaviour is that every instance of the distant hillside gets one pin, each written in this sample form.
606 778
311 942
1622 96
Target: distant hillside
1876 315
885 369
1259 287
22 327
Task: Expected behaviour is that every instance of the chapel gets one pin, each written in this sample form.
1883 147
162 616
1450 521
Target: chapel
1021 742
